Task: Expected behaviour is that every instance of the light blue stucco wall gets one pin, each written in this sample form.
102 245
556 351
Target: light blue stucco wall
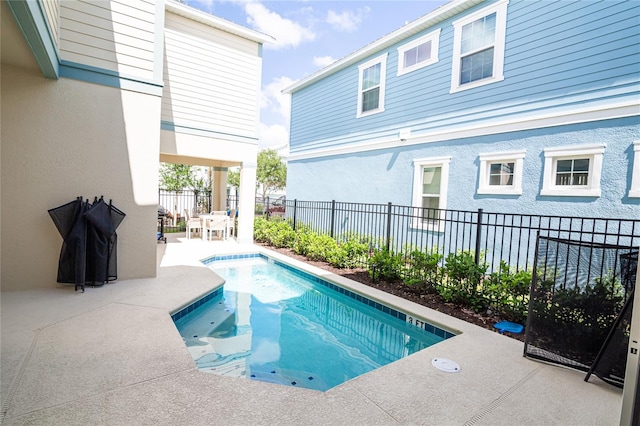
382 176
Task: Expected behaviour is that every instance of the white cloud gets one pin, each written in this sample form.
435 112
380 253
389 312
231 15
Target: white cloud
347 21
273 136
274 100
286 32
322 61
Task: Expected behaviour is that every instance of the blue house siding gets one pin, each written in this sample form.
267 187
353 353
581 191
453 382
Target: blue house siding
386 175
557 55
571 80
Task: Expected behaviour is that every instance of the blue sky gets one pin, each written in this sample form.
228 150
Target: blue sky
309 35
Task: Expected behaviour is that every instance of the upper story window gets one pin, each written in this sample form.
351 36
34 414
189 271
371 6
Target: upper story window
419 53
572 171
478 47
501 173
371 86
634 192
430 183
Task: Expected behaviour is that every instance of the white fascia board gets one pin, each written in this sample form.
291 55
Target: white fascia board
621 109
436 16
216 22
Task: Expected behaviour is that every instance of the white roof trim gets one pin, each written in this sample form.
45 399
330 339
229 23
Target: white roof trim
436 16
624 108
216 22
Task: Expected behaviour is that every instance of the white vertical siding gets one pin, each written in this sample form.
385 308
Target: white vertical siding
110 34
211 78
51 10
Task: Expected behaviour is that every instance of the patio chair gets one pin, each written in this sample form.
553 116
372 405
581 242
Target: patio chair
192 223
232 222
215 223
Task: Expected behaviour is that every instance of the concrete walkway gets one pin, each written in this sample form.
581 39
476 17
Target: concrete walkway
113 356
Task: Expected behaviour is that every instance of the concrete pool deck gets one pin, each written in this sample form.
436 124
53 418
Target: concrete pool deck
113 356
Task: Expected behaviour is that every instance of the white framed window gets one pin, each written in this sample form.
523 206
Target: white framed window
573 171
634 191
419 53
430 183
478 47
501 173
371 86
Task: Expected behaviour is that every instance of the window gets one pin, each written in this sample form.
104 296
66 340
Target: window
573 171
419 53
371 86
634 192
430 182
478 47
501 173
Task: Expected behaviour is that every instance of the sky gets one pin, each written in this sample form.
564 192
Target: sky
309 35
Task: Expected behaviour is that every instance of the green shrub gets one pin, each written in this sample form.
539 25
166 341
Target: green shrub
352 252
276 232
302 240
387 266
508 292
320 247
463 279
260 227
422 269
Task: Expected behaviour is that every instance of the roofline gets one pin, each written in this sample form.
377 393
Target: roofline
432 18
216 22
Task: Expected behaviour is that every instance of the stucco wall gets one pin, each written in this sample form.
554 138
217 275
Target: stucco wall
66 138
382 176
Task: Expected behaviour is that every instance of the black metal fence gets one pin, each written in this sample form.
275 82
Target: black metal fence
173 205
492 237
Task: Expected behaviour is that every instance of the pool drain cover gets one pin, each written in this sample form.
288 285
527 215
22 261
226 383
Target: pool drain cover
445 365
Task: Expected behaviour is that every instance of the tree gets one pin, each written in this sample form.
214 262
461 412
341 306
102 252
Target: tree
271 172
233 178
176 177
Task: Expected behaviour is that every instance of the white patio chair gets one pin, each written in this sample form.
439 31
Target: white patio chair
232 223
192 223
215 223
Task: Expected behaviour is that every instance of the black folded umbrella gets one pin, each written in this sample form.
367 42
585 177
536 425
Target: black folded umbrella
69 219
102 221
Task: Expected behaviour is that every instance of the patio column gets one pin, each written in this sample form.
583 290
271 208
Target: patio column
219 194
246 203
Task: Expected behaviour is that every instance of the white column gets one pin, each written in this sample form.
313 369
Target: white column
219 194
246 203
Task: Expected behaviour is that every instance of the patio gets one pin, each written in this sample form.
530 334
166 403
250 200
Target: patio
113 356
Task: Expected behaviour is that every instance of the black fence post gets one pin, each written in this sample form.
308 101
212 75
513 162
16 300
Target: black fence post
333 217
295 208
388 243
478 236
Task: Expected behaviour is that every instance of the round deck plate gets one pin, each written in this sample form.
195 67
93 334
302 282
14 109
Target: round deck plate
445 364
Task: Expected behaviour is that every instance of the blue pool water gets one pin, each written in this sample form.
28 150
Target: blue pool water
274 323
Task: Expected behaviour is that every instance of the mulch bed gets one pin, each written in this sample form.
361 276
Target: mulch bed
429 300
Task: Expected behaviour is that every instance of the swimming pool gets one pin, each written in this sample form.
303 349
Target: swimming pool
275 323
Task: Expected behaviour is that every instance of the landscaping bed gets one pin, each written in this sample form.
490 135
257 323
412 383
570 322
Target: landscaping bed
430 300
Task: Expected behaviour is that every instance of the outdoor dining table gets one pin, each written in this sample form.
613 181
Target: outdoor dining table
208 217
